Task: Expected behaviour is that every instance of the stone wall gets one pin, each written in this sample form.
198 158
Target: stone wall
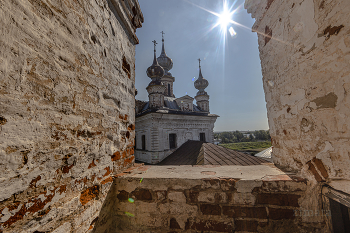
304 49
212 199
66 109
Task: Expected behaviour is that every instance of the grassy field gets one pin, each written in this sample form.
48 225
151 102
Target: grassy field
253 147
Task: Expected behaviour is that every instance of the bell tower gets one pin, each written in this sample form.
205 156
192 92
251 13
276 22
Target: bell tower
167 64
202 97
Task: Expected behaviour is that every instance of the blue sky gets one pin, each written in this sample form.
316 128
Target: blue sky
231 67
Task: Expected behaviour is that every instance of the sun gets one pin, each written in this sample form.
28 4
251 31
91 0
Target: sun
224 18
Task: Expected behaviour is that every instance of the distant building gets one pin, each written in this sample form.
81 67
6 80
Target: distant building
165 122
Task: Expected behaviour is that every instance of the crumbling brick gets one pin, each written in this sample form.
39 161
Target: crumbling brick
89 194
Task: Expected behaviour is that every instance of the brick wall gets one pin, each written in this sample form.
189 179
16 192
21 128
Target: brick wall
157 204
304 47
66 109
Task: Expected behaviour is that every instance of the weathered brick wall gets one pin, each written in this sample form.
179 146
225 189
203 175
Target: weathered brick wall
142 200
66 109
306 78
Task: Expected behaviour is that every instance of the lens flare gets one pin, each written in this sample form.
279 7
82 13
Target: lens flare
129 214
232 32
131 200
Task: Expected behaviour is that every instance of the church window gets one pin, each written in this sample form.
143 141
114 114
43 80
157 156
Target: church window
143 138
172 141
168 89
202 137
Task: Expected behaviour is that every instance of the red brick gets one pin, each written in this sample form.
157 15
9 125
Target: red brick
62 189
66 168
128 161
34 181
89 194
108 171
131 127
313 170
278 199
246 225
115 156
245 212
92 164
208 209
108 180
320 167
279 214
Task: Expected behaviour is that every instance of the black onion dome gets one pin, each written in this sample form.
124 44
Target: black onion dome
164 60
155 71
201 83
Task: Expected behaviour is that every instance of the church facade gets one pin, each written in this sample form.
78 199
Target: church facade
165 122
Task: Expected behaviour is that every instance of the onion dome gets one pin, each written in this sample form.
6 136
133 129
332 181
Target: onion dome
163 59
155 71
201 83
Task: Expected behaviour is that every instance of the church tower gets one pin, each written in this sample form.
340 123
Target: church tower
167 64
155 88
202 96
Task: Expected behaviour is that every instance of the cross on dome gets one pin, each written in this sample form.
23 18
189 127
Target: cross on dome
155 43
155 71
163 59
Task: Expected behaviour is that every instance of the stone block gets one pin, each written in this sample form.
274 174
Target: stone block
208 209
210 226
142 194
245 212
212 197
176 197
278 199
243 199
246 225
280 214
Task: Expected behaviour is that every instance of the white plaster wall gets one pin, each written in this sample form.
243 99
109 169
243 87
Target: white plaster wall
66 106
158 126
306 78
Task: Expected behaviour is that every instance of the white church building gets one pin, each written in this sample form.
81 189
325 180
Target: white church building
165 122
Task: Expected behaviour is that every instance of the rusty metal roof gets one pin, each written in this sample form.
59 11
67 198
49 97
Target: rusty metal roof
201 153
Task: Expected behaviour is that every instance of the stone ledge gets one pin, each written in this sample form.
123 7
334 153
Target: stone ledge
265 172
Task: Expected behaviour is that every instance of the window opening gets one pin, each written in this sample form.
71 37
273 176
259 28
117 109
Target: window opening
172 141
202 137
143 138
